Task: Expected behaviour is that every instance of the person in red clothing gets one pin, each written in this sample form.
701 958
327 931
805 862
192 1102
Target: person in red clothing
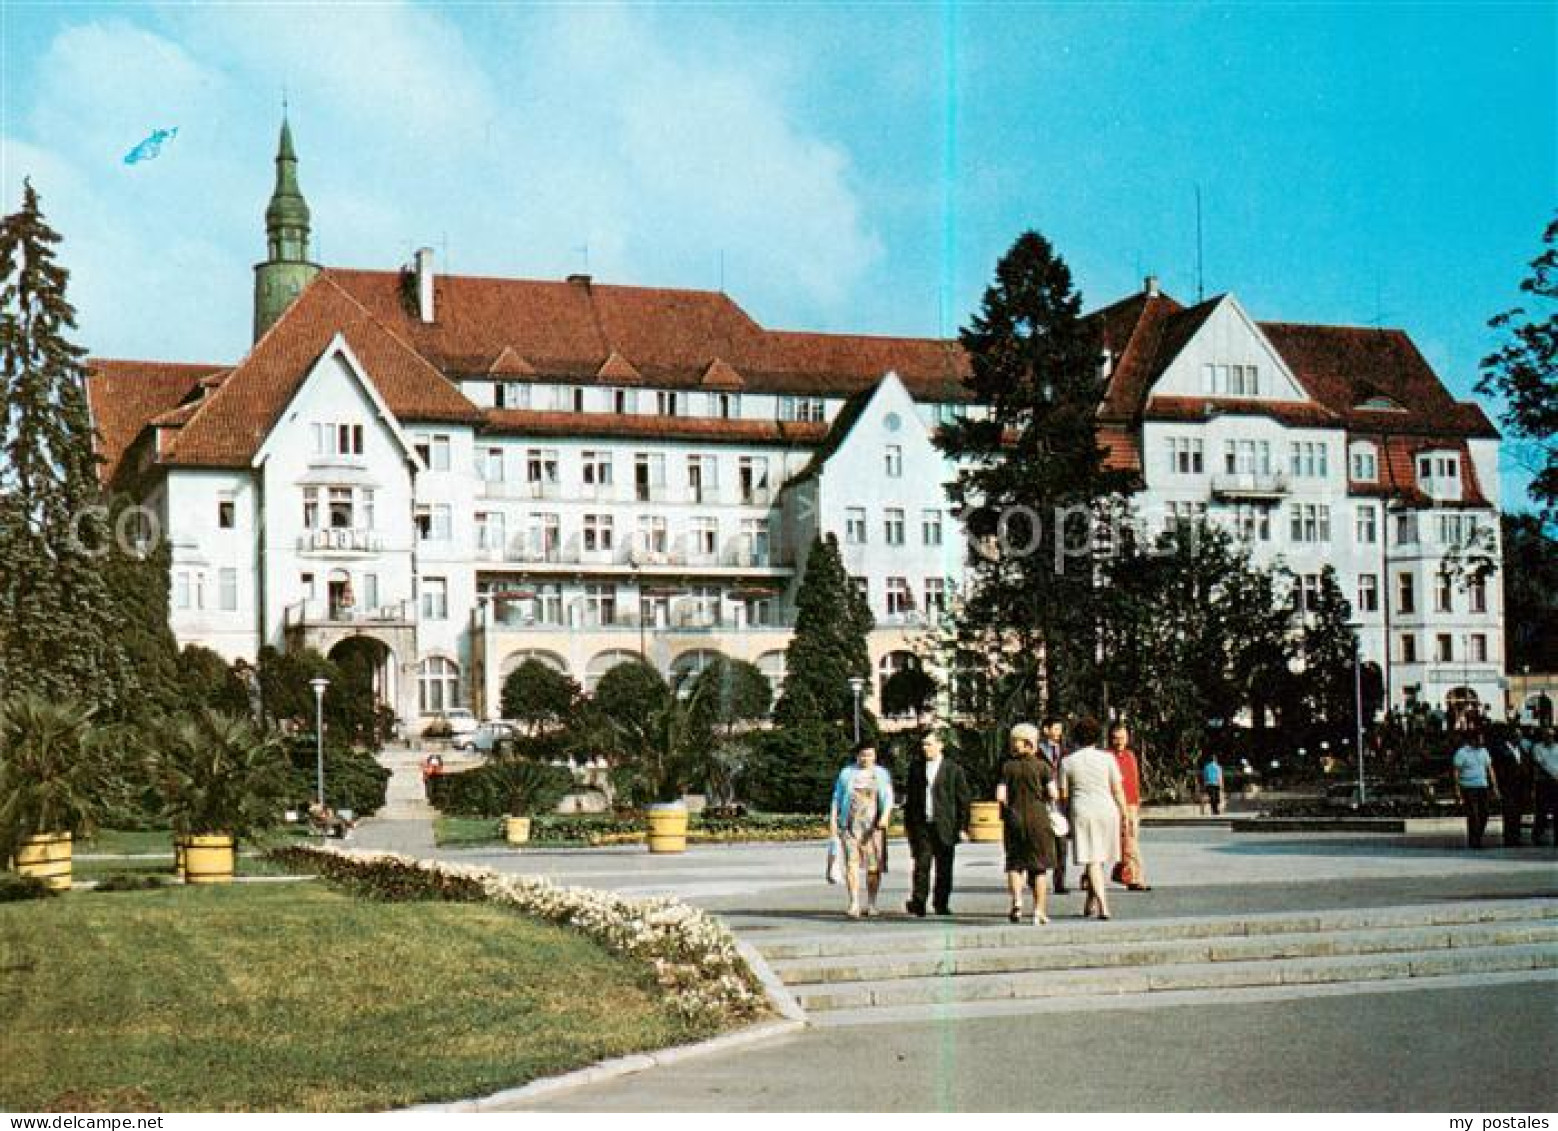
1129 871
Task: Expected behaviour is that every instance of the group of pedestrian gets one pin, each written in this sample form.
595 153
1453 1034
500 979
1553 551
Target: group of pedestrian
1089 797
1504 768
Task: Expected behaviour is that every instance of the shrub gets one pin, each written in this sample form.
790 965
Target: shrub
14 888
58 771
353 777
504 787
219 774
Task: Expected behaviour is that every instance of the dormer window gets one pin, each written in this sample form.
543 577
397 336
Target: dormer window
1364 463
1439 474
1230 380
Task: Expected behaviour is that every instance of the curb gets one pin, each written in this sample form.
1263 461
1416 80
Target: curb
617 1068
779 995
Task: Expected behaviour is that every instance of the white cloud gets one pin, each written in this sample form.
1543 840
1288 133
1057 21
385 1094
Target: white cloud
518 136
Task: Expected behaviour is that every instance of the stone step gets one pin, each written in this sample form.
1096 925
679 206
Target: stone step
943 990
875 938
1039 954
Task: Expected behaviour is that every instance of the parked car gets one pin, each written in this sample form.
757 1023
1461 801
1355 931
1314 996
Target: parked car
485 738
462 722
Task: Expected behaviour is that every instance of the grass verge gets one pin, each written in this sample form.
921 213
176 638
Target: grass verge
297 997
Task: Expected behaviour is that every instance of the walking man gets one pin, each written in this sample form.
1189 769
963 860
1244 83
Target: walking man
1052 749
1474 781
1544 771
1212 779
935 815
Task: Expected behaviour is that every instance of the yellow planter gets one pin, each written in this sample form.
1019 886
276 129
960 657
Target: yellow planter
984 822
208 859
178 855
516 830
46 857
668 829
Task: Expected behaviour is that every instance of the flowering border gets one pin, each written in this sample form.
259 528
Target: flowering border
693 956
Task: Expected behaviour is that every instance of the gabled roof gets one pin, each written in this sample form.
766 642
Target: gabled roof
721 375
1398 473
618 370
509 363
124 395
235 418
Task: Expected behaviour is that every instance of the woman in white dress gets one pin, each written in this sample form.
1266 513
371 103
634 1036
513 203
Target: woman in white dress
1090 782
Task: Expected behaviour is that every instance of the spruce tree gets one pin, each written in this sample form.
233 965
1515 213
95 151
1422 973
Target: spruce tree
1031 477
1326 644
57 630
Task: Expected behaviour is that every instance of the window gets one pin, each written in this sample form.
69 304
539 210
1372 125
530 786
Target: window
624 401
893 526
341 510
935 597
597 471
1252 523
900 598
226 513
930 527
705 537
1438 467
338 439
510 394
809 410
576 399
1457 529
1368 593
752 472
754 541
1406 529
1444 597
489 464
1365 463
1308 459
1444 650
1185 456
1477 594
1366 526
310 508
435 598
541 470
597 533
546 534
491 533
727 406
438 682
370 513
1406 593
227 590
600 604
855 526
1247 457
648 476
1183 516
434 451
306 584
1310 522
894 461
433 523
181 589
666 403
702 478
1408 644
1307 595
1230 380
653 534
370 591
1479 648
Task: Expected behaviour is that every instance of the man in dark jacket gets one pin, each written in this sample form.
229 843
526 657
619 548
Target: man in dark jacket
1053 750
935 815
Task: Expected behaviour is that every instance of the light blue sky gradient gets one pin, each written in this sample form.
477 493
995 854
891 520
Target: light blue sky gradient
856 168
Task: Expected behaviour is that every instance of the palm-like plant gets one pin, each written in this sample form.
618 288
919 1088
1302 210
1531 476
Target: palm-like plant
219 774
56 771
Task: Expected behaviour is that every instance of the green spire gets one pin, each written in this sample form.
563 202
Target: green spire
286 270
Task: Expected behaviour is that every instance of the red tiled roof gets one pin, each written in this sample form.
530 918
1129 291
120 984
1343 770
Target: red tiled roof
124 395
235 418
569 330
721 375
1122 451
531 422
1398 471
1301 414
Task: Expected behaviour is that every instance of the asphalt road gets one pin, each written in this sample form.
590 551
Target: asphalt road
1485 1049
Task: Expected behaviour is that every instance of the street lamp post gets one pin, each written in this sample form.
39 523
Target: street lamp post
319 683
1357 694
856 685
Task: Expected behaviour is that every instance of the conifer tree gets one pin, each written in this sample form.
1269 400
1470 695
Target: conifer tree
1326 644
57 632
1029 459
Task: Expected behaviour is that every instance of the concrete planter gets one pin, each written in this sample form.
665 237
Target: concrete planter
209 859
516 830
667 828
46 857
984 822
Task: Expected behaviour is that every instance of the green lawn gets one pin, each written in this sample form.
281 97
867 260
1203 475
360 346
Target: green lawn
296 997
455 832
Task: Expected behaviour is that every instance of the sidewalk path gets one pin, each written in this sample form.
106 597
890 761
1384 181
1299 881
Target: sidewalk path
405 824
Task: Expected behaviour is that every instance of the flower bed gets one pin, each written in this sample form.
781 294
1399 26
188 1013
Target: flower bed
693 957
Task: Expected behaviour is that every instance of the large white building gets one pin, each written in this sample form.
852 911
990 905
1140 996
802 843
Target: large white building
460 473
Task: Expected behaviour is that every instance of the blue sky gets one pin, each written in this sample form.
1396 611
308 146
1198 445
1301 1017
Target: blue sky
854 168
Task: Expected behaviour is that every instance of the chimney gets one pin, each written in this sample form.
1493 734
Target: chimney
424 270
1150 285
582 281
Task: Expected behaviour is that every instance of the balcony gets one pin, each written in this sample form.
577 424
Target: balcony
1250 485
335 541
317 613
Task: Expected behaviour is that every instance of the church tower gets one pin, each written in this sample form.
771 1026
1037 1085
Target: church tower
286 270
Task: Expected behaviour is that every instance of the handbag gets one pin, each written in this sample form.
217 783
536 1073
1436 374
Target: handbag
835 866
1058 823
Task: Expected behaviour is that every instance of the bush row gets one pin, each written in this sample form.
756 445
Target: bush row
692 956
505 787
353 777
